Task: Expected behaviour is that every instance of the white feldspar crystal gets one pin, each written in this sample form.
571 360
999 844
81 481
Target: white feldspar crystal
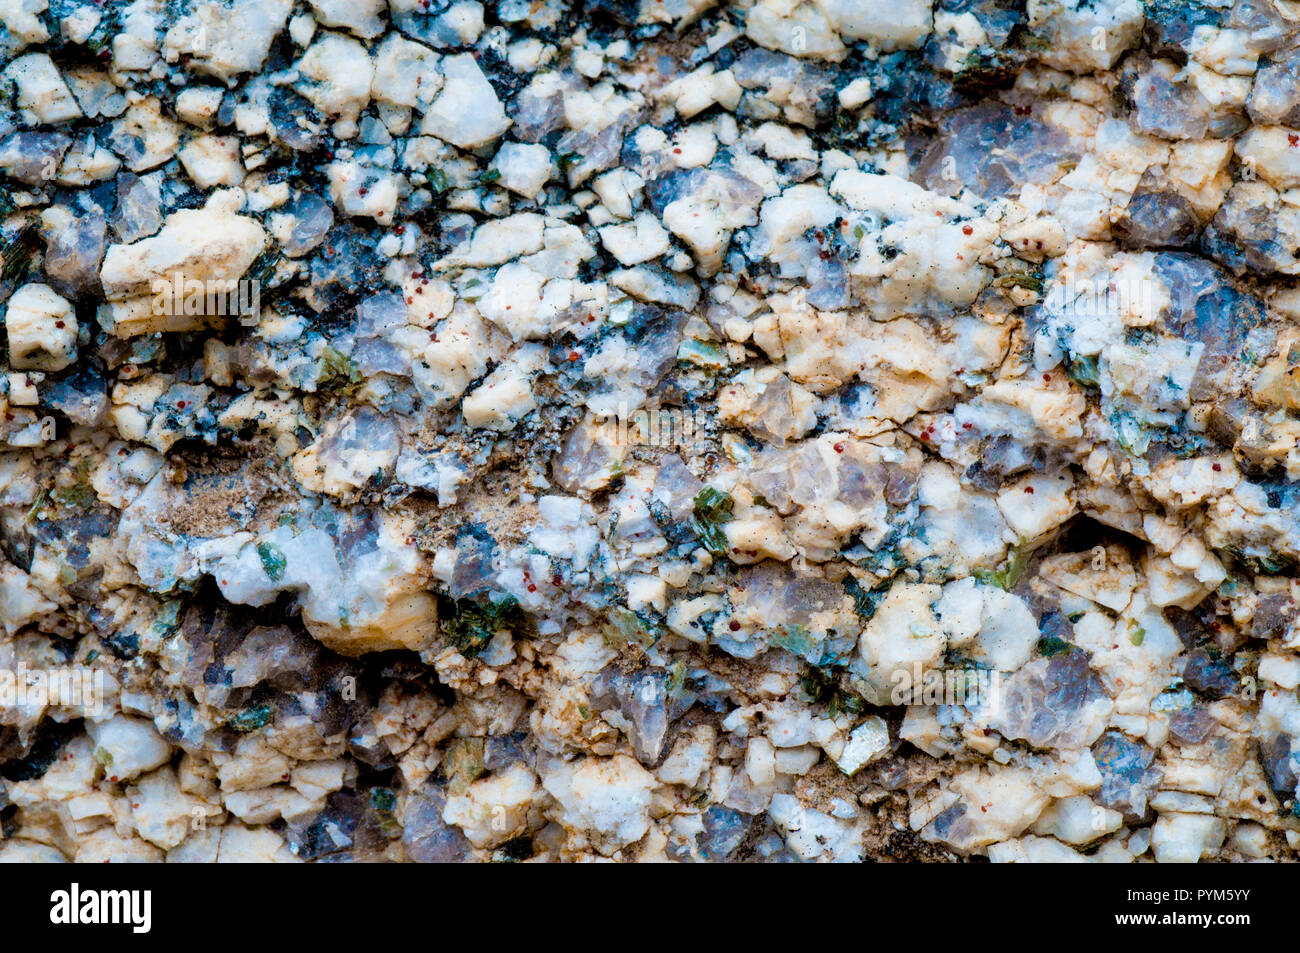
41 328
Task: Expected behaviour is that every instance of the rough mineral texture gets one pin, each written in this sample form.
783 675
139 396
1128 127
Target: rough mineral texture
644 430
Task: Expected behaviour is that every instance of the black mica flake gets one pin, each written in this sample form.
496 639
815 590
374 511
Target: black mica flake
29 760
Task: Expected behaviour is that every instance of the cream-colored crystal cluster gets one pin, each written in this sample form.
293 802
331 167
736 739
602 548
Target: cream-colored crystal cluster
649 430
